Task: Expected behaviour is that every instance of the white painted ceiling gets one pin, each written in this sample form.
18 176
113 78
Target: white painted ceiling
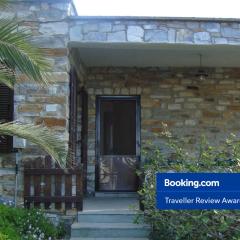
157 55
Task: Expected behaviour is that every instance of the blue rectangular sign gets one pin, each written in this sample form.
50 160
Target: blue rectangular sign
198 191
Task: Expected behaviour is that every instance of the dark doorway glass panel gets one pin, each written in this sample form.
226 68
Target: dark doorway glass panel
118 127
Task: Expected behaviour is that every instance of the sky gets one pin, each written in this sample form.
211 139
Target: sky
160 8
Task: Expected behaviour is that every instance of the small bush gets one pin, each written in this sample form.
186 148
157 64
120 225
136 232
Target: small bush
18 223
190 224
3 237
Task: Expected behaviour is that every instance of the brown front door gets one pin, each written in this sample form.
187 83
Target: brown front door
118 143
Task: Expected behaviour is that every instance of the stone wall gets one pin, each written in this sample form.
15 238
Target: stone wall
47 22
170 96
190 107
156 30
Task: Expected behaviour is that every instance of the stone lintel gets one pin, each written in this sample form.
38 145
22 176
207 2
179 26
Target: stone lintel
154 18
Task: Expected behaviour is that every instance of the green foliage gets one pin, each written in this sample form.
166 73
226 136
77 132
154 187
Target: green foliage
18 224
40 135
3 237
18 52
186 224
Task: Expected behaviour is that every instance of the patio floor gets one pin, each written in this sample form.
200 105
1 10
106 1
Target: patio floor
110 204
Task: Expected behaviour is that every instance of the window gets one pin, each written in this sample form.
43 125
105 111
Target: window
6 115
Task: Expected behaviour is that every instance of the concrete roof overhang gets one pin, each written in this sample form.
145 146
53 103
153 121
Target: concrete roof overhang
93 54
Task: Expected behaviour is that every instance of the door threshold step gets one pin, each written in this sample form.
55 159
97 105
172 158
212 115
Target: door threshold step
117 194
110 212
126 238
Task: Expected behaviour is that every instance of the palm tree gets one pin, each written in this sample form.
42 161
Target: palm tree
16 52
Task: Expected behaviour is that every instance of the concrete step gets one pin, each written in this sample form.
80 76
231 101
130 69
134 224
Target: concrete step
79 238
110 230
117 194
123 216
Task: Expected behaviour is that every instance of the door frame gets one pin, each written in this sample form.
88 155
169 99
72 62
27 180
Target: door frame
99 98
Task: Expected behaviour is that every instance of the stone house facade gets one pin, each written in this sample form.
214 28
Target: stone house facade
150 62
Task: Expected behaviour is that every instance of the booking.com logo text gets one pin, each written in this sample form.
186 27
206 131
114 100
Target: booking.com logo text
189 183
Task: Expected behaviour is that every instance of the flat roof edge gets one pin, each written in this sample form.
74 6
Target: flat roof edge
139 18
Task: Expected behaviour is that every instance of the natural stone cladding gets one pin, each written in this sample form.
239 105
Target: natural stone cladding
47 23
190 107
154 30
187 105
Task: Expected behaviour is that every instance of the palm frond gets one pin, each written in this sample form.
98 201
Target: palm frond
7 77
17 50
39 135
3 3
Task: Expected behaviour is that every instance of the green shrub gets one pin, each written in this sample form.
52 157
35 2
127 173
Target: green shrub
3 237
189 224
18 223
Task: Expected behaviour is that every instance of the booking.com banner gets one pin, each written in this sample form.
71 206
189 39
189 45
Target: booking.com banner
198 191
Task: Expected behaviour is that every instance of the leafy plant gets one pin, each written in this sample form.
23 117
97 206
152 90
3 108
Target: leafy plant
18 223
3 237
186 224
